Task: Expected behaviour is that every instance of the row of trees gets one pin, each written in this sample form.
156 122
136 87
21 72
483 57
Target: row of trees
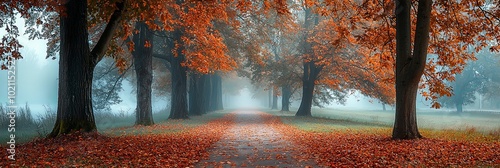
342 46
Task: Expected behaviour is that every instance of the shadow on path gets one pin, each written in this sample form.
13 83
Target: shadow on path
251 142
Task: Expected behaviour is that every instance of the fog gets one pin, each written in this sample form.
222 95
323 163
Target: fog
37 83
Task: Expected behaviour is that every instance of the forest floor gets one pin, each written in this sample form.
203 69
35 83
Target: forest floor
258 139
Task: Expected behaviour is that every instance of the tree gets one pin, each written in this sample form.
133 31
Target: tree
76 58
76 64
456 25
335 62
106 84
478 76
142 54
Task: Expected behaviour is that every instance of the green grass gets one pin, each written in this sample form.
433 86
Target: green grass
166 126
115 125
380 122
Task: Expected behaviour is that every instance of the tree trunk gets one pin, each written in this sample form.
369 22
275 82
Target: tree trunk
285 99
216 99
178 101
307 96
275 99
383 107
76 66
207 93
311 70
197 95
143 69
409 68
270 97
74 105
459 105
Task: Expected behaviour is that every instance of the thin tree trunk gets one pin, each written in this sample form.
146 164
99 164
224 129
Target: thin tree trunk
270 97
409 68
143 68
275 99
383 107
178 101
459 105
285 99
76 66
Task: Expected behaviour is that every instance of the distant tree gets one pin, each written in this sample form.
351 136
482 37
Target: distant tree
478 76
106 85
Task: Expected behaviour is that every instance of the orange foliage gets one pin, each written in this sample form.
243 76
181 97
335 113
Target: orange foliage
458 29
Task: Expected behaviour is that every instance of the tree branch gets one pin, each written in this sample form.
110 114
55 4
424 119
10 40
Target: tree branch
164 57
100 48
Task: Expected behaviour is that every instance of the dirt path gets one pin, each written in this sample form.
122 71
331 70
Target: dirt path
251 142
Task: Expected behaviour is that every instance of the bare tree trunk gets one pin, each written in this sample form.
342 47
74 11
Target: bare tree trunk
76 66
216 99
285 99
197 95
143 69
275 99
409 68
178 101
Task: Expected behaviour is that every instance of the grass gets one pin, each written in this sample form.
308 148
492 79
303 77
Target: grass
28 128
377 122
166 126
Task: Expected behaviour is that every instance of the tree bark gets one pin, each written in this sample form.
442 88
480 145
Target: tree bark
178 101
307 93
207 93
286 91
143 68
197 95
76 66
216 98
409 68
311 70
275 99
270 97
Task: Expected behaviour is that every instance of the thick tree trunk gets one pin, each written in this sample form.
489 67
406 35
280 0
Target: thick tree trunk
74 109
143 68
76 66
409 68
275 99
197 95
285 99
307 96
178 101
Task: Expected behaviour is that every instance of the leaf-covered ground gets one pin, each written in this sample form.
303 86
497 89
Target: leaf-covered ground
252 142
363 148
259 139
179 149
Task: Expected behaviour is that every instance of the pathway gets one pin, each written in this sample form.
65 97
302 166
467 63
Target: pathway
252 143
